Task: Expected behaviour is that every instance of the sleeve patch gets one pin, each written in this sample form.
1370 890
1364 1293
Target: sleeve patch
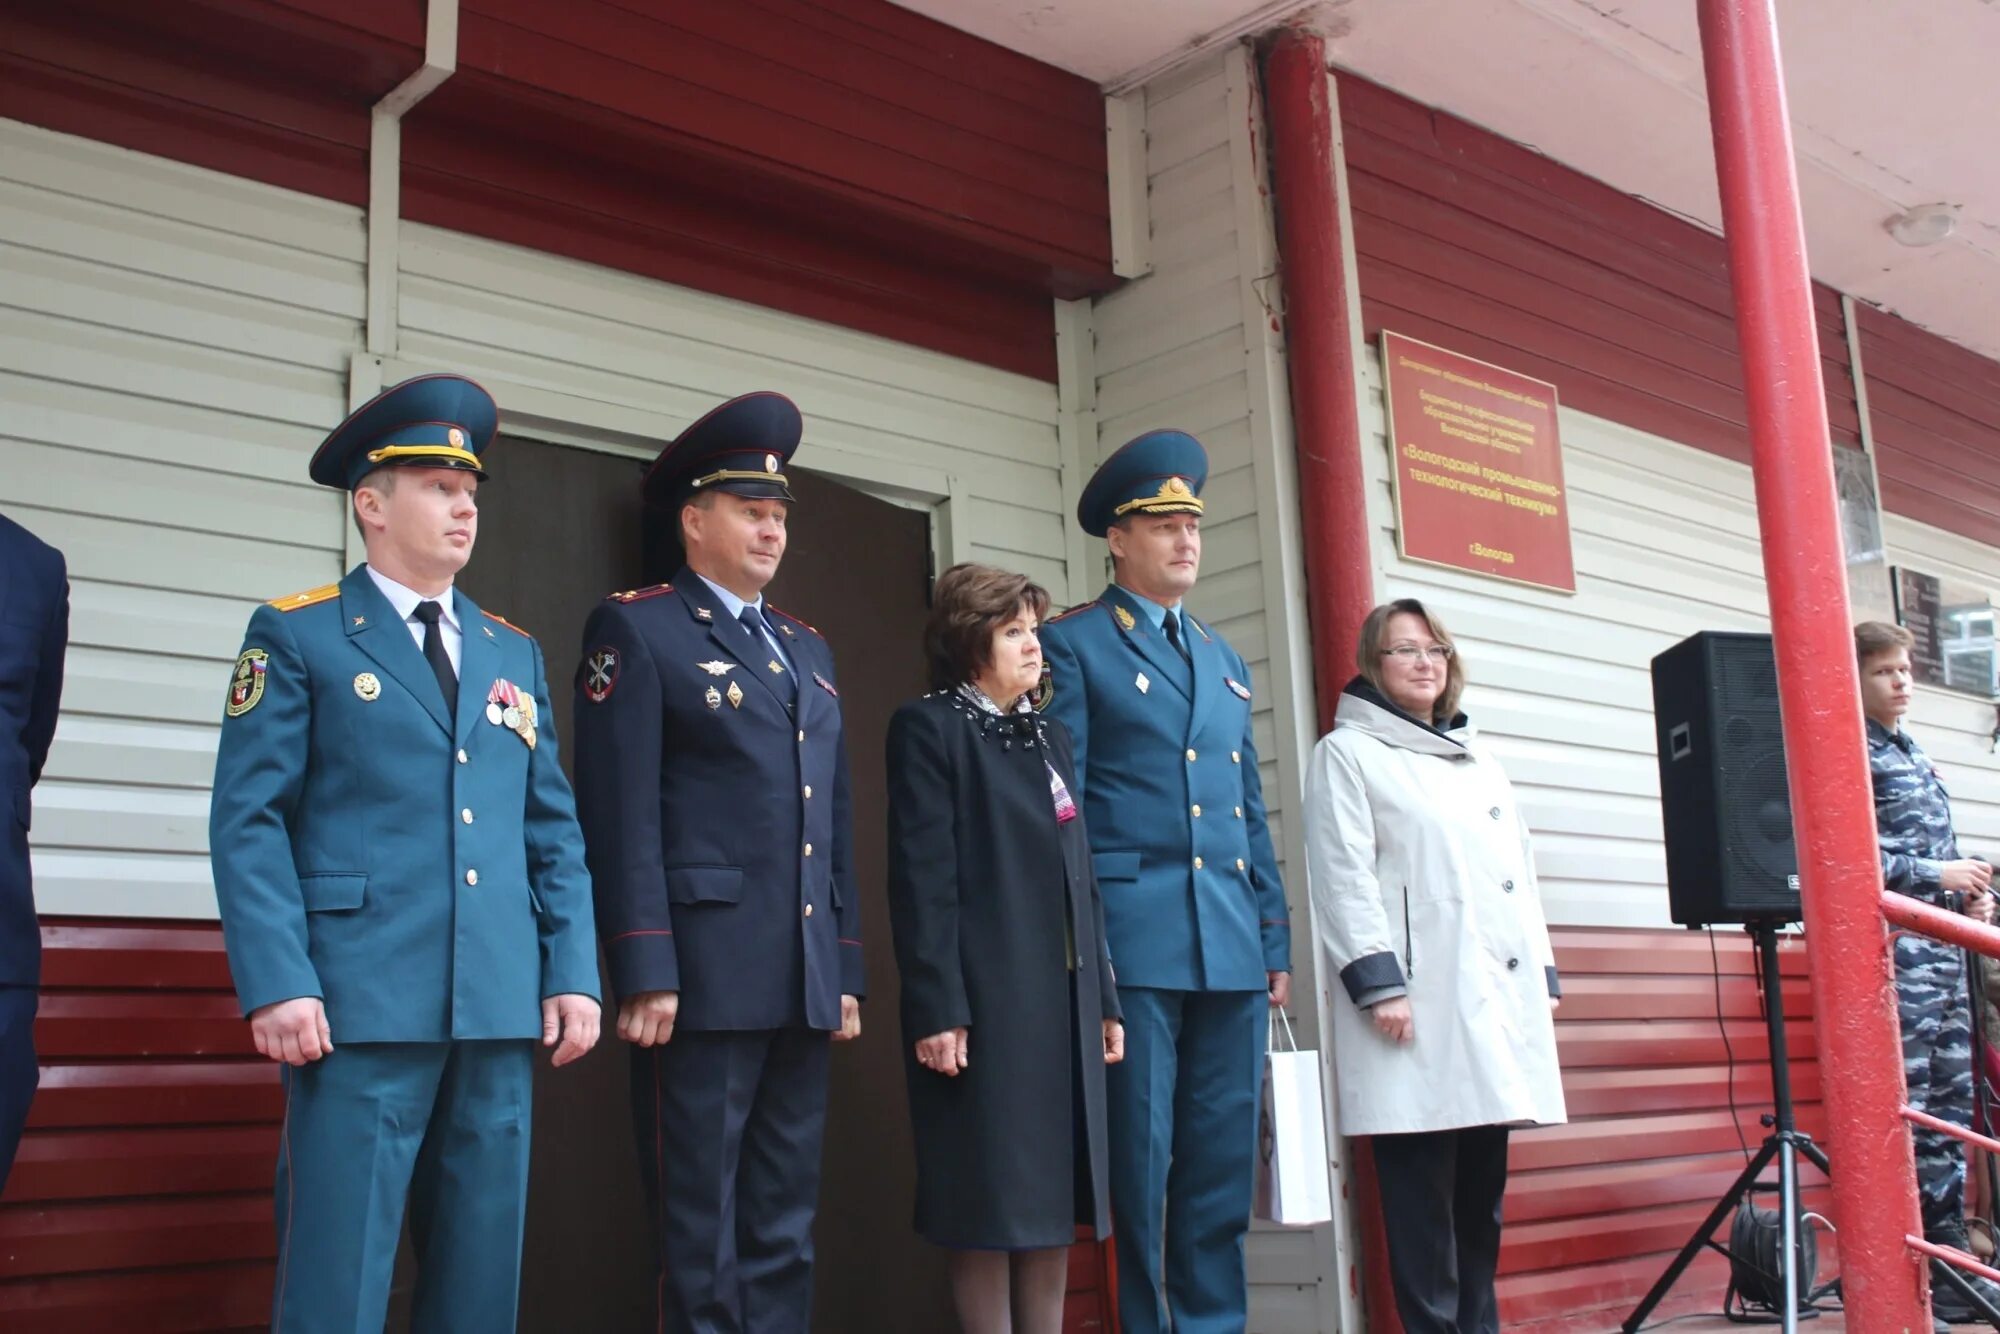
246 682
597 674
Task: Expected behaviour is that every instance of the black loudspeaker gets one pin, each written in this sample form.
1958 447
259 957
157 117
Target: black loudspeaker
1723 795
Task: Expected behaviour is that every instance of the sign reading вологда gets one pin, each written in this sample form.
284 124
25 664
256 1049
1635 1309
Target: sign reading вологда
1479 478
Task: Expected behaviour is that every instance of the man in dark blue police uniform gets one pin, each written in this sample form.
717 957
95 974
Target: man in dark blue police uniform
34 633
712 781
1159 707
400 872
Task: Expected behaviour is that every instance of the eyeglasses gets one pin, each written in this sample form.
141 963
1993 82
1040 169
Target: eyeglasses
1409 653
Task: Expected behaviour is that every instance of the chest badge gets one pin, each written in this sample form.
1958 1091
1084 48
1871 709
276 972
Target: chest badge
735 695
777 668
716 668
704 614
712 697
368 686
598 674
1236 687
1143 684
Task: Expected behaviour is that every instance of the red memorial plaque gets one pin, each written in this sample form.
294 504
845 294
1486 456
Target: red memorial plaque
1479 478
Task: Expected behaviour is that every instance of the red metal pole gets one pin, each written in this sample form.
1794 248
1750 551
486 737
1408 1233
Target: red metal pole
1319 343
1833 815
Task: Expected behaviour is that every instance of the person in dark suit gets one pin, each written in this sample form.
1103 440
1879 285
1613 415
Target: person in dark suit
1009 1007
1158 706
34 635
399 872
712 781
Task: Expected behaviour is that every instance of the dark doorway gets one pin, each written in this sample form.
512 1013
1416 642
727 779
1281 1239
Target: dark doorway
560 529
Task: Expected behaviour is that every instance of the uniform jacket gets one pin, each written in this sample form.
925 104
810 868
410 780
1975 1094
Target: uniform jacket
716 815
1192 899
998 927
422 873
34 631
1912 814
1422 880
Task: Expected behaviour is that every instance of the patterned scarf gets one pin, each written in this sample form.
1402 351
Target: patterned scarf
1025 719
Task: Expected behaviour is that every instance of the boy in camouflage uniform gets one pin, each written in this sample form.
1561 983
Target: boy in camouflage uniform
1920 857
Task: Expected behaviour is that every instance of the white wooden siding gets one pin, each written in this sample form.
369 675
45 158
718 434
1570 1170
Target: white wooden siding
1192 346
173 342
1666 544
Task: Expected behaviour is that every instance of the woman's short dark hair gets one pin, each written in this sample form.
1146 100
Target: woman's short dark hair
968 604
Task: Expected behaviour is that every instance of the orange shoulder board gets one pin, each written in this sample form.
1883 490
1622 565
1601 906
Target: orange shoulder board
641 594
795 620
1077 610
293 601
496 616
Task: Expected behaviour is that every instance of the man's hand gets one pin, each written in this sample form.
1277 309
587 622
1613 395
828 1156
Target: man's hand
1281 988
1980 907
648 1018
944 1053
293 1031
1114 1041
1967 877
1393 1019
574 1020
850 1019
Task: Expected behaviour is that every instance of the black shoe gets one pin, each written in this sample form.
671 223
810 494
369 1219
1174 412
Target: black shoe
1946 1301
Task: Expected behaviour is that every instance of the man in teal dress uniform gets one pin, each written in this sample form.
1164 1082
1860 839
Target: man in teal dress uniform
1159 706
402 888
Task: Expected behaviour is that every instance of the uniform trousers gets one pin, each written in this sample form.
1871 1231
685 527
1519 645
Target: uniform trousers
1441 1194
19 1072
1937 1069
730 1126
1183 1130
441 1126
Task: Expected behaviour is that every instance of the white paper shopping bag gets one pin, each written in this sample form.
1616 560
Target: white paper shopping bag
1292 1170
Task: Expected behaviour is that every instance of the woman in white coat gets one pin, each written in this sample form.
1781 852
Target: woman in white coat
1424 899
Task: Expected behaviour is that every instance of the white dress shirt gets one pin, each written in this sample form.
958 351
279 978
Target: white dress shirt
405 600
734 606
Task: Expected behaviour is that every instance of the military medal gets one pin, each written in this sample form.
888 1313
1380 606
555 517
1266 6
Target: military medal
368 687
507 707
493 714
735 695
713 698
1143 684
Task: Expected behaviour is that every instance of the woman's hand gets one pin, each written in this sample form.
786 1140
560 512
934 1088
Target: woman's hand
1114 1041
943 1053
1393 1019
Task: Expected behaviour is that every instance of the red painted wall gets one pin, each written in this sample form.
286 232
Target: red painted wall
141 1197
846 160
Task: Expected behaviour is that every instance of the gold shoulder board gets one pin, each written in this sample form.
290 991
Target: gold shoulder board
293 601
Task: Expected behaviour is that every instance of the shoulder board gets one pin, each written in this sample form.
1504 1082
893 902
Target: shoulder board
293 601
1077 610
795 620
496 616
640 594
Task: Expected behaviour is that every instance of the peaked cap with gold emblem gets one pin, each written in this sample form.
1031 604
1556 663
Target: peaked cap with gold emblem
432 421
1160 472
741 447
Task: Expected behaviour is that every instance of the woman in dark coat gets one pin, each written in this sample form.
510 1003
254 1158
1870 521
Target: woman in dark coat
1008 1004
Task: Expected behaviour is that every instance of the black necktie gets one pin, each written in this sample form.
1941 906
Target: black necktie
753 621
440 661
1173 625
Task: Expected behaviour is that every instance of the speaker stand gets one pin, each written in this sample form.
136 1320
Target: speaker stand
1786 1143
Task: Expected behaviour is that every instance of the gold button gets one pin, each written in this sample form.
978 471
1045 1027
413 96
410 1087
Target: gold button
809 849
1235 757
809 910
809 792
1197 863
1239 863
1197 812
1239 812
471 877
802 735
461 757
466 815
1190 757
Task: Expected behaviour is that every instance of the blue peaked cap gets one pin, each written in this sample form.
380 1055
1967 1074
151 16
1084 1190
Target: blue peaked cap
1160 472
432 421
